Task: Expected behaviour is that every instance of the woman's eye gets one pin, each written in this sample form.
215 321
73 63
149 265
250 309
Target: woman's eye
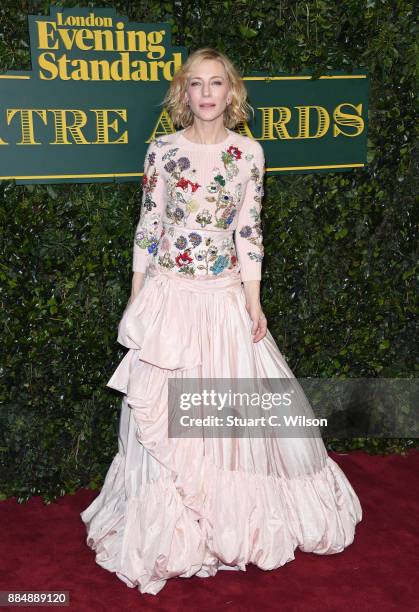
214 82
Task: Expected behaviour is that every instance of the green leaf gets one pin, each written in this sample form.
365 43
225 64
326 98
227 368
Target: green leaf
247 32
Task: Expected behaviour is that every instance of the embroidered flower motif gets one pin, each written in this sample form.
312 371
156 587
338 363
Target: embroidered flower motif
226 218
204 217
149 184
229 159
227 243
195 239
245 231
231 216
183 163
192 206
152 247
170 166
198 254
159 142
254 235
212 188
220 264
226 200
255 256
181 243
183 259
178 214
234 151
170 153
180 189
184 184
255 175
166 261
147 235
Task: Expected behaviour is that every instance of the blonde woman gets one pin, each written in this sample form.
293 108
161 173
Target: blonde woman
172 506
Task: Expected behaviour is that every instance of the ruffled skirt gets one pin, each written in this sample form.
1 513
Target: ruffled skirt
179 507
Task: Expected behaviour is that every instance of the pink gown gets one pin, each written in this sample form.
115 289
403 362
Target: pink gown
182 507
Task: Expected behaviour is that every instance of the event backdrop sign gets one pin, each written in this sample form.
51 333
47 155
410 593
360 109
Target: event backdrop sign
93 101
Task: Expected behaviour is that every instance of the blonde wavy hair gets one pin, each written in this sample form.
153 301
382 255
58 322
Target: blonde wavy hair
174 101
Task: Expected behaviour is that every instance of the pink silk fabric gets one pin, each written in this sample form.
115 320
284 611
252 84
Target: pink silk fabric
181 507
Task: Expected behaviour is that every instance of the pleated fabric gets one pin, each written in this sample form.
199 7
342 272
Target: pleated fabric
179 507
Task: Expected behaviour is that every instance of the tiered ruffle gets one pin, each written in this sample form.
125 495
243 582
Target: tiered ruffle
178 507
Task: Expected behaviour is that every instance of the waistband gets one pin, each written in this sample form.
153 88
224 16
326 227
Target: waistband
200 284
225 233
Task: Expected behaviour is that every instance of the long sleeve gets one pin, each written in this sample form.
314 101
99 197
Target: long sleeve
248 233
149 228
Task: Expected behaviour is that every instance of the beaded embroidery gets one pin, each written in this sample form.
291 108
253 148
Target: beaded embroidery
192 253
147 235
254 233
189 251
226 202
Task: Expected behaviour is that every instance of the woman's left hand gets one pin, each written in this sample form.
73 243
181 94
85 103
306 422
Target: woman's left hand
259 321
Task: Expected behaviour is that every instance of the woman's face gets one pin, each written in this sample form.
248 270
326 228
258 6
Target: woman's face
208 90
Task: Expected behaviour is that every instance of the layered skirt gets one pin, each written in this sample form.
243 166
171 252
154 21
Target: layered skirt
192 506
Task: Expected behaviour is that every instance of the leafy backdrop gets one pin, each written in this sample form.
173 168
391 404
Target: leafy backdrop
339 271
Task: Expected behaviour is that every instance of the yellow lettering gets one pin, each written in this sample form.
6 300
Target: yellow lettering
45 33
62 126
120 69
26 123
268 123
82 72
46 65
346 119
68 37
169 68
62 68
304 121
100 70
164 125
103 125
81 37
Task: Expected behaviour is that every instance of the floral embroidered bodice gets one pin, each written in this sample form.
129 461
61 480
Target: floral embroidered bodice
201 204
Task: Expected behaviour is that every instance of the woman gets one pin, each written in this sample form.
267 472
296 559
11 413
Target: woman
182 507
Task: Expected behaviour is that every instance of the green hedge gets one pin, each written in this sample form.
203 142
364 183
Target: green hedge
339 271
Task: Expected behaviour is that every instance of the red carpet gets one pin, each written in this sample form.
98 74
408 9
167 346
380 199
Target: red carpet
43 548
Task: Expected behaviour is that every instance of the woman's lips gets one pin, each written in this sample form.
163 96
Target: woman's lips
206 105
